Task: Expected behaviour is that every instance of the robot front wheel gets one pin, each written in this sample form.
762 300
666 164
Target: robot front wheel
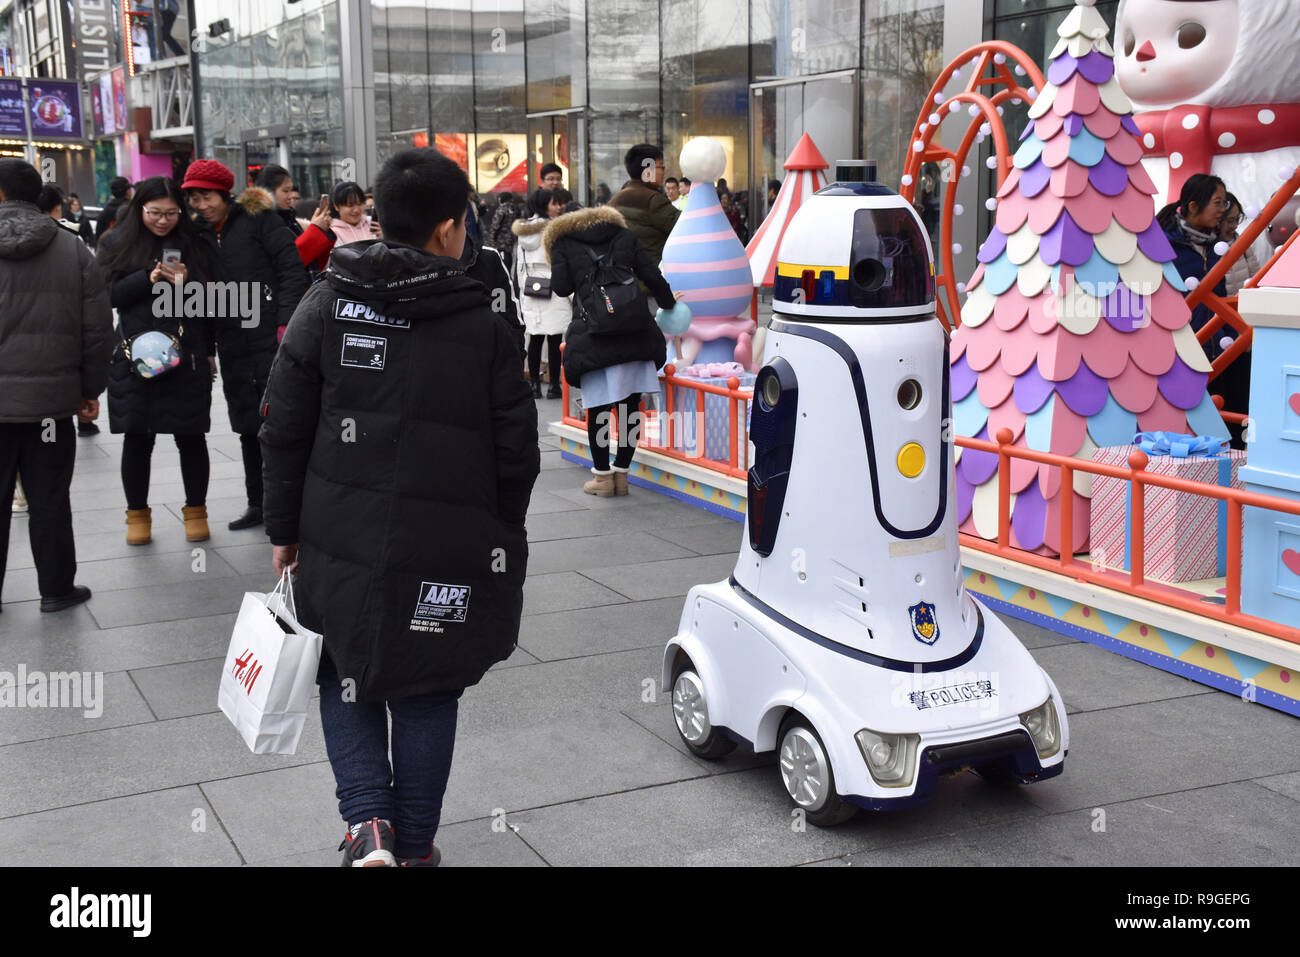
691 713
807 774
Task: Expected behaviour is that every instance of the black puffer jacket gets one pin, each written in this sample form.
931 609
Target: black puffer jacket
254 246
400 451
178 402
484 264
56 327
566 241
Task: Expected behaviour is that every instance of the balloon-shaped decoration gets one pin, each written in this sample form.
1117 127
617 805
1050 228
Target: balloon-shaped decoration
705 261
674 321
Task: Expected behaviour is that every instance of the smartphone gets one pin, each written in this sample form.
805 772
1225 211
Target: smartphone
324 200
171 256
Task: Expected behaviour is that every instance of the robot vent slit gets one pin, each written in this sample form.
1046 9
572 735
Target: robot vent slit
864 607
860 582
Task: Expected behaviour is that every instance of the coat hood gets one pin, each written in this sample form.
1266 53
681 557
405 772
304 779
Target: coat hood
24 230
529 231
595 225
255 200
409 281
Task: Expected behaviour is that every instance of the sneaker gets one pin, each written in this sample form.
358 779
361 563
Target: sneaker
20 500
433 860
369 844
554 392
537 388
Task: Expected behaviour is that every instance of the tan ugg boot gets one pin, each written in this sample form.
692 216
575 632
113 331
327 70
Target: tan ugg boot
620 482
139 526
601 484
196 523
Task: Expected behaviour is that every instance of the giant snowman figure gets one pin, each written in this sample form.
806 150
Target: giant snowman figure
1215 86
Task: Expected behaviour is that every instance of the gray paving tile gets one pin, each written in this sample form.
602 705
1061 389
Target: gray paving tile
713 539
145 757
636 515
737 819
580 499
113 520
622 548
107 495
143 830
78 643
97 546
1121 754
159 572
564 591
562 758
664 578
518 658
1091 678
252 810
253 558
552 459
24 622
181 690
184 600
116 701
1035 636
605 628
543 502
1288 784
1231 825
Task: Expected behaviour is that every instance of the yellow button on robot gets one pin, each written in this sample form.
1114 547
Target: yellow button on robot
911 460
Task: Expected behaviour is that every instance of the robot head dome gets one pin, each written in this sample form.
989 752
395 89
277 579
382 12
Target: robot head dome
703 160
855 251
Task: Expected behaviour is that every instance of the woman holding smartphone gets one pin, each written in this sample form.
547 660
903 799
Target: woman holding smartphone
155 242
351 222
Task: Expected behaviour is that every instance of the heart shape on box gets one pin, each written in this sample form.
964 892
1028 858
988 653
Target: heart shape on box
1291 559
1294 402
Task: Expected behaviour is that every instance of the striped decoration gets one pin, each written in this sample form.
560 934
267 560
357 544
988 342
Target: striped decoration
704 260
807 174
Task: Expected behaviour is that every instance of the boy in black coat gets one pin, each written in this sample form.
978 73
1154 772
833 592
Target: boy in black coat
400 450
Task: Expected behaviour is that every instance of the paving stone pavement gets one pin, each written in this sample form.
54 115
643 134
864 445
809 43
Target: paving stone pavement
560 757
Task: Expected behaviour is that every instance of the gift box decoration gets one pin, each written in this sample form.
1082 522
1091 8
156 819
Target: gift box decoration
1185 534
706 435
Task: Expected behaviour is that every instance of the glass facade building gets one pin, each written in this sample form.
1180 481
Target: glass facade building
507 85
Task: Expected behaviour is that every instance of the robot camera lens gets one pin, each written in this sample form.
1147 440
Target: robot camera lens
909 394
771 390
869 274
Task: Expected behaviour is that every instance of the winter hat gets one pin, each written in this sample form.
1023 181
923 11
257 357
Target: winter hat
208 174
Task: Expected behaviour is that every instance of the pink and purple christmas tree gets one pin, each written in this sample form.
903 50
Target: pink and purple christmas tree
1074 333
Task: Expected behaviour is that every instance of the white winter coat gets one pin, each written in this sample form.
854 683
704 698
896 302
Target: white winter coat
542 317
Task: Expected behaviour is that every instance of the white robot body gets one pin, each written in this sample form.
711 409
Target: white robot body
845 623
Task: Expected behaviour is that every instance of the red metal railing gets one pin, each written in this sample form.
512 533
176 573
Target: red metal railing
1134 581
659 426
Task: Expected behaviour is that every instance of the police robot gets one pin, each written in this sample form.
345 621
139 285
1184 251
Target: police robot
844 639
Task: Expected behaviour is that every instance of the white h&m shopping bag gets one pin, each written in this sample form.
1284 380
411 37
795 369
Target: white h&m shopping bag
270 670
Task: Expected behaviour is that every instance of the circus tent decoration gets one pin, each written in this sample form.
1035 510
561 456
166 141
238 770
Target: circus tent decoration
1075 334
806 169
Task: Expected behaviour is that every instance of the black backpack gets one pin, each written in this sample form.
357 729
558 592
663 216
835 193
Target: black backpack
610 298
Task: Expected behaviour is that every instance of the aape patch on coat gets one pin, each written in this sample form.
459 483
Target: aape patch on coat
364 352
355 311
439 602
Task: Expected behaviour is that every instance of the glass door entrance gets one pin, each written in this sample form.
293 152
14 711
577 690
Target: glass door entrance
260 153
559 137
825 107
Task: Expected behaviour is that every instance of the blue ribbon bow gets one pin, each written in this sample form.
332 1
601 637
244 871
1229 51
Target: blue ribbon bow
1180 446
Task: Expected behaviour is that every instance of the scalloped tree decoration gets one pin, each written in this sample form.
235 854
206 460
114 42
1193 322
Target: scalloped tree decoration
1074 332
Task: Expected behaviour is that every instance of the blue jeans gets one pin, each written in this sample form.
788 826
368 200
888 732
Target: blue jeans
409 793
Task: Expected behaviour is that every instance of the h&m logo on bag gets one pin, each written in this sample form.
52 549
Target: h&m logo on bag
360 312
246 670
439 602
364 352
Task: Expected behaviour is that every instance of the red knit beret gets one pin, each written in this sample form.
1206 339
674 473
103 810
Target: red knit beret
208 174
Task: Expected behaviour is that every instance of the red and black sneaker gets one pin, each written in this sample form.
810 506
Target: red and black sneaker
369 844
434 858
